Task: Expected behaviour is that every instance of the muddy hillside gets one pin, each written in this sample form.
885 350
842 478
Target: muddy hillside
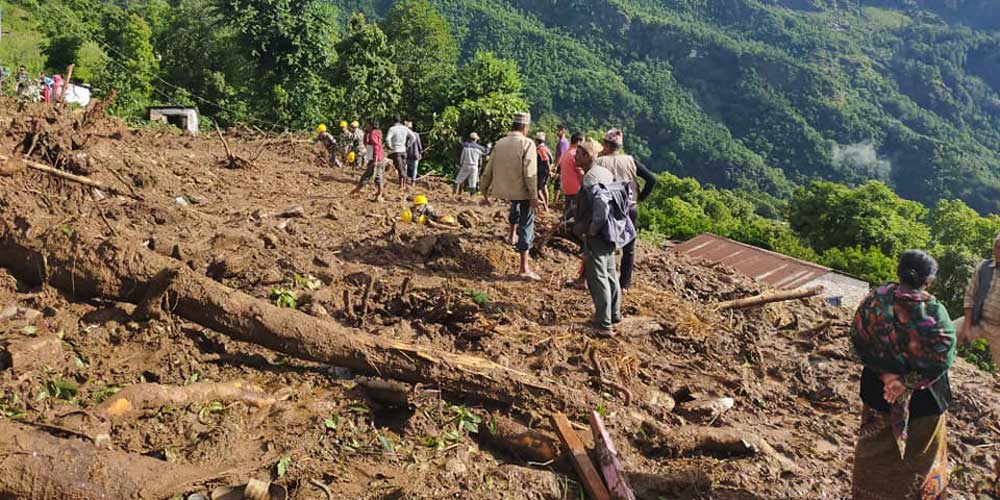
177 321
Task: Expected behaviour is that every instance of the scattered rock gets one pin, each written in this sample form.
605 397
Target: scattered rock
468 219
328 259
456 466
270 241
21 314
424 245
23 354
317 310
272 277
294 212
197 200
181 201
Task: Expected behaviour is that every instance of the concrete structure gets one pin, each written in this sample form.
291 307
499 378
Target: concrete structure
780 271
184 118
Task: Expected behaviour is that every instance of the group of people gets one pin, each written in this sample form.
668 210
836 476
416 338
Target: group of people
43 88
600 186
906 342
401 146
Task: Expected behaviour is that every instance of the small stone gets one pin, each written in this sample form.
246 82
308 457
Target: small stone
272 277
294 212
456 466
99 195
197 200
425 244
181 201
318 311
270 241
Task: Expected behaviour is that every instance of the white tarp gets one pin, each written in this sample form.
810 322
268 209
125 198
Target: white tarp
77 95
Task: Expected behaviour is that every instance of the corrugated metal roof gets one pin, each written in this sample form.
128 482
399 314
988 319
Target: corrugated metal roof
780 271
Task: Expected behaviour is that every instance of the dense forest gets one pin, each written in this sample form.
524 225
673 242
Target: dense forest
803 126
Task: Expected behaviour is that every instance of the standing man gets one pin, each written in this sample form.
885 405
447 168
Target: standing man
396 139
468 164
562 146
376 161
544 168
414 153
604 227
626 169
361 153
21 80
571 176
512 175
982 305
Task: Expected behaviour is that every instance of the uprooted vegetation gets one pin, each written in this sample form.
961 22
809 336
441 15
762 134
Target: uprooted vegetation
191 327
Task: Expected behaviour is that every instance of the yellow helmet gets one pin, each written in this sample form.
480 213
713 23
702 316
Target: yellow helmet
407 215
351 157
422 220
447 219
420 199
355 124
343 124
321 128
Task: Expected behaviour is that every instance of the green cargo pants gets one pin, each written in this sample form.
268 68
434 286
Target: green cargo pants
602 280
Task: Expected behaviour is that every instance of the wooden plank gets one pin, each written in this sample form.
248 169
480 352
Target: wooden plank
607 458
591 480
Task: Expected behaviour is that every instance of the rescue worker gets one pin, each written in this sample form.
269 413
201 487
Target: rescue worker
329 142
423 213
360 152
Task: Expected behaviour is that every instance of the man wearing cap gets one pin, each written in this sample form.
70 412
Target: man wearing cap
468 164
602 278
627 169
544 168
982 305
512 175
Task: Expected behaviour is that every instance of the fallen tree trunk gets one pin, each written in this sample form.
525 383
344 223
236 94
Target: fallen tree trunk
768 298
139 398
85 265
36 465
712 441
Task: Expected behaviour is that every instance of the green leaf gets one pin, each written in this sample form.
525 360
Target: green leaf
282 465
387 444
332 423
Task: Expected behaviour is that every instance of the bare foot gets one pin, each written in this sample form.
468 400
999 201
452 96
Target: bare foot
530 276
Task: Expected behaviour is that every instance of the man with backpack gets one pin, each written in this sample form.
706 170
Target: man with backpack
602 222
627 169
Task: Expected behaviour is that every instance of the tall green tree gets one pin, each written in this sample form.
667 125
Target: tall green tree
292 44
367 72
426 55
829 215
132 66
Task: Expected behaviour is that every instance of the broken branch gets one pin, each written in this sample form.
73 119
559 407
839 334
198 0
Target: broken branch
768 298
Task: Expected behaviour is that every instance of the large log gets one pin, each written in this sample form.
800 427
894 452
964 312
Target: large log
39 466
84 264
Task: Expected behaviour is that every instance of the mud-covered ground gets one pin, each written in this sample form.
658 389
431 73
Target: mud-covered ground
286 226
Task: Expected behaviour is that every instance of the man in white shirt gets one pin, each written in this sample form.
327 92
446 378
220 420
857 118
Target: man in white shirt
396 140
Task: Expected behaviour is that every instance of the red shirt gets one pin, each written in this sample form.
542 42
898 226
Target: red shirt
374 139
570 177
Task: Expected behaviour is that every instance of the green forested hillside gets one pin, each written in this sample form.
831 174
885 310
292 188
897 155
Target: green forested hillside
838 131
762 95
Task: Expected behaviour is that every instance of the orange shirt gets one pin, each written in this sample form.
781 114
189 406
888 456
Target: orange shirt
570 178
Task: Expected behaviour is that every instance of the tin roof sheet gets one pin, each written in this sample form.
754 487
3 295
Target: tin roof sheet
780 271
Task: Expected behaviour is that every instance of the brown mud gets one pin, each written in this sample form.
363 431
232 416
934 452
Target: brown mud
285 222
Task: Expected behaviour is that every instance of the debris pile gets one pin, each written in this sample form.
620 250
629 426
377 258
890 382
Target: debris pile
272 333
